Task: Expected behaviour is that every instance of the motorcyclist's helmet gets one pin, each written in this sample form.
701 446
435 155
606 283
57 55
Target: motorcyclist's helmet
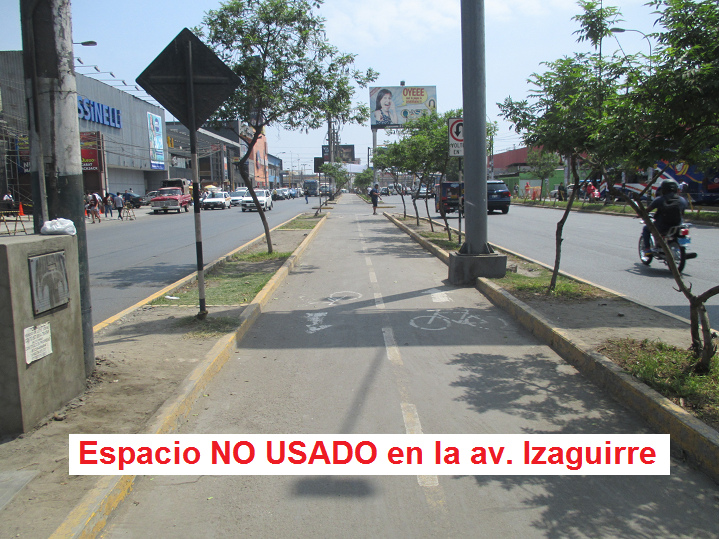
668 186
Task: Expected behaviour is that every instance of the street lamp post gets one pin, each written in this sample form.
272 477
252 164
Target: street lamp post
645 36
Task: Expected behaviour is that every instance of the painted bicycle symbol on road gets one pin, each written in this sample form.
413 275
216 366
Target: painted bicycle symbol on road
316 320
339 297
439 322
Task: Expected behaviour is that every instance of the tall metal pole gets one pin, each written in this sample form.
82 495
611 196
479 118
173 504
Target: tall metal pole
195 185
475 127
55 133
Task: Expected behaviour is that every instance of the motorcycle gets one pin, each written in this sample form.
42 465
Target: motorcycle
677 240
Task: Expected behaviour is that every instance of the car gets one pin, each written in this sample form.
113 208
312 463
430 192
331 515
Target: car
384 191
498 196
132 199
277 194
148 197
216 199
285 193
236 196
293 192
422 193
263 196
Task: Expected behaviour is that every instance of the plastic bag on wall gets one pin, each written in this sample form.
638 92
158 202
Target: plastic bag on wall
59 226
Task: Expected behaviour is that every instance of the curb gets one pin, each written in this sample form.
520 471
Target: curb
698 442
91 514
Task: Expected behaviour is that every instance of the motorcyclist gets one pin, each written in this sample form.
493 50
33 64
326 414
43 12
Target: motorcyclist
669 208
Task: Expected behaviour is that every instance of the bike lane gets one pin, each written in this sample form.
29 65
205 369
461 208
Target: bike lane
366 336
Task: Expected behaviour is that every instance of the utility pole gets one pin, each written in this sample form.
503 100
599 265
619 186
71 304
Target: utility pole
54 132
476 257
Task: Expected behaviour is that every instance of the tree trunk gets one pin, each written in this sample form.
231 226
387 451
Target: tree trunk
560 224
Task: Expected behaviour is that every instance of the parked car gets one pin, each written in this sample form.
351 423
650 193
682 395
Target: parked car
132 199
498 196
216 199
384 191
277 194
236 197
148 197
263 196
285 193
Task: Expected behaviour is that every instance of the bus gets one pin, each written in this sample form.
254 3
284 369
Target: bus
311 187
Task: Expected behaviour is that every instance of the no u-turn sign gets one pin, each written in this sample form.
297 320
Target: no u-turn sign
456 137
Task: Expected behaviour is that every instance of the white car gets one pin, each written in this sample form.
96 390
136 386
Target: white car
263 196
237 196
216 199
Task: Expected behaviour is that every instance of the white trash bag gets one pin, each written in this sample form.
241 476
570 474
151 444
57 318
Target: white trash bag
59 226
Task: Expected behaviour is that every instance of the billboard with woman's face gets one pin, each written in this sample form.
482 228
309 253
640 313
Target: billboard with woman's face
393 106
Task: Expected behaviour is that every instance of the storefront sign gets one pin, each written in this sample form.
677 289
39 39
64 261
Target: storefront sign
98 113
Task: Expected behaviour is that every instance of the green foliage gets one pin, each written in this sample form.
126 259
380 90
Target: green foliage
541 163
670 371
337 172
364 179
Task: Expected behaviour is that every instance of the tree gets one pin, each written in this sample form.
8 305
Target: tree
562 118
290 75
542 164
364 179
634 117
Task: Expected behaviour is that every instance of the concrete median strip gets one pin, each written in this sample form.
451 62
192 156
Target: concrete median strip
698 442
90 515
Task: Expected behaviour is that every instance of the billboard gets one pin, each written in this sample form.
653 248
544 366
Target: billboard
345 152
393 106
157 146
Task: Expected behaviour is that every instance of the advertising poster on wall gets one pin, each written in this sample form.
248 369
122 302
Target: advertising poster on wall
90 150
393 106
157 148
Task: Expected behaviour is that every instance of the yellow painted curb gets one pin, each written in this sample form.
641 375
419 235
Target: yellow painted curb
90 515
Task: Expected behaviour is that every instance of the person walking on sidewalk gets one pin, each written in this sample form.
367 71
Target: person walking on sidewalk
374 195
107 202
119 204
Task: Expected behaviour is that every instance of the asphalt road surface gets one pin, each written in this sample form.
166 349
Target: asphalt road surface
134 259
603 250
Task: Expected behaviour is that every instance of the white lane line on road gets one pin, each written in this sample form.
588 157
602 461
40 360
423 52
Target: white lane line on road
413 426
378 301
373 277
368 261
391 344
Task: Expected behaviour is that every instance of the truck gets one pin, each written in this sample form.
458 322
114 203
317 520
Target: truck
173 195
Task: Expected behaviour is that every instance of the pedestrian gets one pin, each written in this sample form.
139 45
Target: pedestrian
374 195
108 203
94 202
119 203
8 196
307 197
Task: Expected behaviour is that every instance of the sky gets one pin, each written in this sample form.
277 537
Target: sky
416 41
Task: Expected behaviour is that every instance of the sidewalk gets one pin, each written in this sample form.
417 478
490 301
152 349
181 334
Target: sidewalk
347 344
